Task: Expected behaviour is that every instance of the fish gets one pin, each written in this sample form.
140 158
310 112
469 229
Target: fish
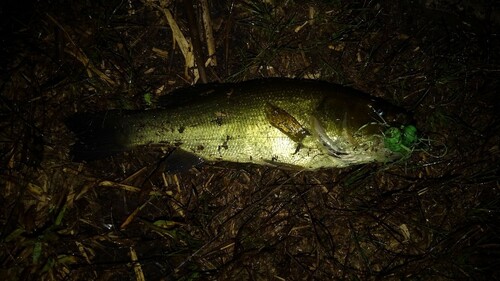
282 122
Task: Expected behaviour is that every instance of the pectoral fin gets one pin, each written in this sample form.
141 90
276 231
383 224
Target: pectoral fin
286 123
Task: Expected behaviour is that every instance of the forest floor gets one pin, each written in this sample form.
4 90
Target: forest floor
433 216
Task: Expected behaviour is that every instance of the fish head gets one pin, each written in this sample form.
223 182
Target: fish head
353 129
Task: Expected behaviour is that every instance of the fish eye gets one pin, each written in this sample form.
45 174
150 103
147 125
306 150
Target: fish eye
379 111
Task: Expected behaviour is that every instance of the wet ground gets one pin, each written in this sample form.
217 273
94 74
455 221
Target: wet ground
434 216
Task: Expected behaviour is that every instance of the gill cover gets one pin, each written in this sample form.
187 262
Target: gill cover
332 145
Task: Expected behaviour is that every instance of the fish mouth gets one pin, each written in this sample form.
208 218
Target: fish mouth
332 146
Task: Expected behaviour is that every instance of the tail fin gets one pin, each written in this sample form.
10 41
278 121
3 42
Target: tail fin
99 135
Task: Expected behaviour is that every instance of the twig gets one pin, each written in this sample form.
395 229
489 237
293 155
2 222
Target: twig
184 44
209 35
195 40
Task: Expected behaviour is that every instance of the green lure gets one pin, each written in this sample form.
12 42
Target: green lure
400 139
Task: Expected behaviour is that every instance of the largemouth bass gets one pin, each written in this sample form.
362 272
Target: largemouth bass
305 124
